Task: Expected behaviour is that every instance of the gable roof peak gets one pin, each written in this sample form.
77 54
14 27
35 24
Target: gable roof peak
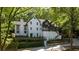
34 17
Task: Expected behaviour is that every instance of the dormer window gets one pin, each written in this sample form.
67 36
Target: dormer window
18 28
25 28
30 22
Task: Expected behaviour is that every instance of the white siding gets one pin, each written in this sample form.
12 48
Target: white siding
50 35
46 34
21 28
34 26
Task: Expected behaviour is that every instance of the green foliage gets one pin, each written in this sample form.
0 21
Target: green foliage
61 16
30 44
25 44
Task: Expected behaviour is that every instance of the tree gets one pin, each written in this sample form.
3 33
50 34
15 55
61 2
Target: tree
73 19
0 25
10 15
66 18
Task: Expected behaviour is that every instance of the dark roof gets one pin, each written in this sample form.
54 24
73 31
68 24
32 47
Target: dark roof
46 24
49 26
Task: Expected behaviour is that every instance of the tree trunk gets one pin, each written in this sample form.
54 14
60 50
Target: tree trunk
71 40
0 26
6 35
9 24
9 19
72 23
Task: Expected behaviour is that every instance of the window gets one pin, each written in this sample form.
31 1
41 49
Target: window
31 35
30 28
37 34
24 31
17 31
30 22
37 29
40 23
25 28
17 28
40 28
37 23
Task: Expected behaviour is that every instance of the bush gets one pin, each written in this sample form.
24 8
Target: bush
25 44
11 46
28 39
65 40
30 44
55 41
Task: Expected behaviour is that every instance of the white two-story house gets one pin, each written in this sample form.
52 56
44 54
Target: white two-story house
36 28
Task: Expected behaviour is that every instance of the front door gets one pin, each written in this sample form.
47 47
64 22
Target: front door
31 35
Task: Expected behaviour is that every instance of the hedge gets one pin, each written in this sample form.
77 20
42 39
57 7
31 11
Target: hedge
30 44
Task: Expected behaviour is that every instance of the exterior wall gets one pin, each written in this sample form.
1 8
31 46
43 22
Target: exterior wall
21 28
50 35
34 25
46 34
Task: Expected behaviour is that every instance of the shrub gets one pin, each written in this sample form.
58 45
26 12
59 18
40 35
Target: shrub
25 44
30 44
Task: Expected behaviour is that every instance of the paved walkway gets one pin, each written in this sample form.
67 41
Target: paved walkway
32 49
